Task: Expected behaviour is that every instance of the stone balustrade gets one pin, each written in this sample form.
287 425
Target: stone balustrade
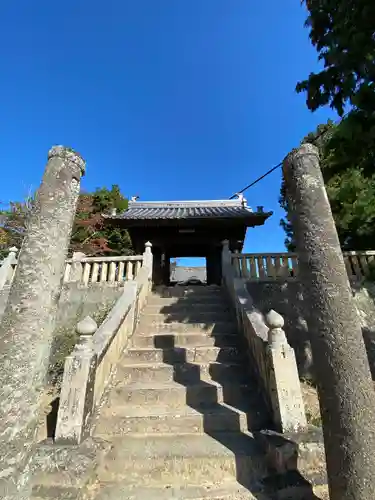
250 266
89 368
270 355
284 266
83 270
102 269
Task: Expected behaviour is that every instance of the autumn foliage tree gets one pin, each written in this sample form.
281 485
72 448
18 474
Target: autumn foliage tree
90 234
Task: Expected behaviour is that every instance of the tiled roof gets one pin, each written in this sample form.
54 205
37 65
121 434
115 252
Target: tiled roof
187 210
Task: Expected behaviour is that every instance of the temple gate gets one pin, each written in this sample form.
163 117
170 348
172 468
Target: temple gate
188 229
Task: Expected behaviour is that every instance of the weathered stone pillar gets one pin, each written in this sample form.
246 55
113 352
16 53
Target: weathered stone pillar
345 388
226 257
28 322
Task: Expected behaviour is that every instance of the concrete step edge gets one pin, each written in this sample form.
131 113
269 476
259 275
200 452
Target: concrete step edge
130 411
169 333
229 491
155 365
167 446
160 349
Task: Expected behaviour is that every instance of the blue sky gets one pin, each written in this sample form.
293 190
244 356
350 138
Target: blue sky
170 99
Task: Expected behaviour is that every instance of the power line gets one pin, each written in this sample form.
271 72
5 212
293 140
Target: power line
279 164
257 180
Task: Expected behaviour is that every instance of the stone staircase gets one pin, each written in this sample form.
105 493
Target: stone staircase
179 416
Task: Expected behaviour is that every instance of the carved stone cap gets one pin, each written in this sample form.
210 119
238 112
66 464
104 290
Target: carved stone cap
274 320
276 334
306 149
87 326
68 154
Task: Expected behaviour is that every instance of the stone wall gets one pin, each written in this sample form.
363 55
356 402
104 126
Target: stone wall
287 299
77 301
4 294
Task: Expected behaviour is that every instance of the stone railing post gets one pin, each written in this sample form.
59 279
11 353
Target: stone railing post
148 258
286 395
6 268
76 270
346 391
77 389
28 322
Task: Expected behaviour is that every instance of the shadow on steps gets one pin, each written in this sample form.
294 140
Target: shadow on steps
251 471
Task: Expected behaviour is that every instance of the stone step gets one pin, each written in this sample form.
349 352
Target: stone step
149 325
183 354
121 420
189 291
227 491
190 459
55 492
175 395
202 304
189 316
63 472
185 339
184 373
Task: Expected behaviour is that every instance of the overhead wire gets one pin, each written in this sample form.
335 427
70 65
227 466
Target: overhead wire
279 164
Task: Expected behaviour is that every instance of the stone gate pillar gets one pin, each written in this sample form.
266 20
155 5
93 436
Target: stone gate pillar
29 318
157 270
346 391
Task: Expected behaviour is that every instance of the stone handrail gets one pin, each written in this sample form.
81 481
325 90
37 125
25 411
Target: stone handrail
270 355
83 270
276 266
89 368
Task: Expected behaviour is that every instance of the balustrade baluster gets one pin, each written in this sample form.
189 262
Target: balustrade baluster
294 265
138 266
112 272
129 270
121 269
95 272
262 273
103 272
86 273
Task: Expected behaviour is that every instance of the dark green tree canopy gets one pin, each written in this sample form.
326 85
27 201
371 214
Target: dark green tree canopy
343 35
350 189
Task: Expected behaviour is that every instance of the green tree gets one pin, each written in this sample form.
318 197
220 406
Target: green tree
343 35
350 189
